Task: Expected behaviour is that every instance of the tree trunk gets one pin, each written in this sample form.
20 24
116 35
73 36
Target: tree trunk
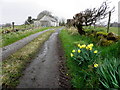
80 30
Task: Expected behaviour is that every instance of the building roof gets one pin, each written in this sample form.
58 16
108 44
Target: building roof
47 18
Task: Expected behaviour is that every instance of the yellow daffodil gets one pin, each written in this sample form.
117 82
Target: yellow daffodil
78 45
84 46
95 51
95 65
81 47
79 50
91 45
73 51
71 55
87 47
90 48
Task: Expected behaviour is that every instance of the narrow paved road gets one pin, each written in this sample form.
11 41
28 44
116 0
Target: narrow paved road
10 49
43 72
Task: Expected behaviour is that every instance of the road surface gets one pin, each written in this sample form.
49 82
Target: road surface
43 72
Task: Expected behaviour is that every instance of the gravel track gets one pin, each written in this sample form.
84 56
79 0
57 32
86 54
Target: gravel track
43 71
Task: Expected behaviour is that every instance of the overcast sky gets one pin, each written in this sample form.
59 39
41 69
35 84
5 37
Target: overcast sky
19 10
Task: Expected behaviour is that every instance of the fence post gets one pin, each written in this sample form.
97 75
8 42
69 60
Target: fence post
13 25
109 22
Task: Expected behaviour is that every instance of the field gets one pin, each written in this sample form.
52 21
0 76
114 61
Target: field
87 71
116 30
12 37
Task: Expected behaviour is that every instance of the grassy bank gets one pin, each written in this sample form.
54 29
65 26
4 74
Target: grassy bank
15 36
14 65
86 76
104 29
69 42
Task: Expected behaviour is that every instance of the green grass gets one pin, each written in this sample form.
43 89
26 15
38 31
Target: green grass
19 27
115 30
13 66
15 36
109 73
69 42
111 51
84 78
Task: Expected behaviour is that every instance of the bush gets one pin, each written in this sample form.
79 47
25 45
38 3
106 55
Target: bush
102 34
104 42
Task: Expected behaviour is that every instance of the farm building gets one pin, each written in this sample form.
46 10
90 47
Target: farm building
46 21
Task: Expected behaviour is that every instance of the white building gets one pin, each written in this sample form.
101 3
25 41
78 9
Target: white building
46 21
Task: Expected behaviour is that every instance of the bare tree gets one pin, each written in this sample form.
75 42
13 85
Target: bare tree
91 16
29 20
62 22
70 22
45 12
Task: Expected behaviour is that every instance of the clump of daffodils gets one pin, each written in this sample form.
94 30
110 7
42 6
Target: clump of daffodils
85 54
89 47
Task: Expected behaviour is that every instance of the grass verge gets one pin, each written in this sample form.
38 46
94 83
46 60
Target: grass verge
69 41
13 66
15 36
86 78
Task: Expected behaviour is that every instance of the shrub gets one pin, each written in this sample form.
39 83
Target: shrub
102 34
104 42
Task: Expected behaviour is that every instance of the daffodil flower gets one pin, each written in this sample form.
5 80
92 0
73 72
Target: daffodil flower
87 47
78 45
83 46
71 55
90 48
79 50
95 65
95 51
91 45
73 51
